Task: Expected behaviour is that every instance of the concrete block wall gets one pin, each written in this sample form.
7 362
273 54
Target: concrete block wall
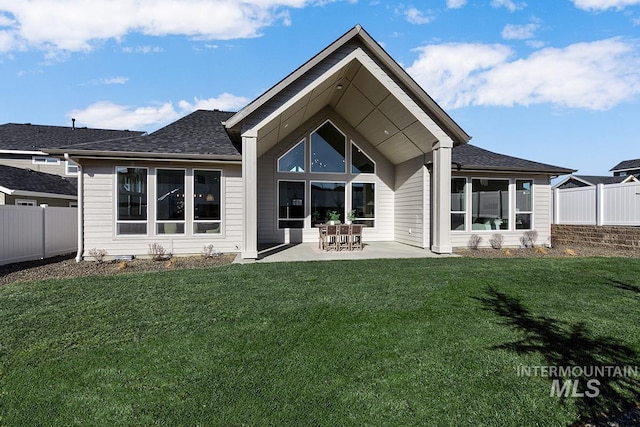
603 236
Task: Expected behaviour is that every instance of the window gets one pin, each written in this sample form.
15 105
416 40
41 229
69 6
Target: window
25 202
524 204
291 204
363 202
170 201
328 147
71 168
360 162
207 216
293 160
458 203
490 204
44 160
132 201
327 197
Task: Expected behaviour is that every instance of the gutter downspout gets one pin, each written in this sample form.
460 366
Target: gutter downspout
80 208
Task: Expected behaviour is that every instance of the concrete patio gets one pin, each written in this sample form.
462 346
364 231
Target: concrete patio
311 252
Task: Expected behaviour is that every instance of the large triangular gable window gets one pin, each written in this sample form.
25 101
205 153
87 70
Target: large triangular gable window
328 150
293 160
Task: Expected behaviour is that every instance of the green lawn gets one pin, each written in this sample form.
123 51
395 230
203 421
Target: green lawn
380 342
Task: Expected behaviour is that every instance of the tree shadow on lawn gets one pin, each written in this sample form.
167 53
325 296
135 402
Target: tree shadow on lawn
626 286
562 344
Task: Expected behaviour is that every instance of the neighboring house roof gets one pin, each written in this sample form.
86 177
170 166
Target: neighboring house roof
19 182
470 157
596 179
28 137
626 165
201 133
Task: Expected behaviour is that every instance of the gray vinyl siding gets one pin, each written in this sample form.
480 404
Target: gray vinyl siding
541 215
100 208
25 163
50 201
411 217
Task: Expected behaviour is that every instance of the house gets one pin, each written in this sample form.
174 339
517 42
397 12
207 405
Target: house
574 181
348 130
626 168
21 145
26 187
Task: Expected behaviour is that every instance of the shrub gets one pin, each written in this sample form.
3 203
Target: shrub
157 251
496 241
474 241
98 254
122 265
209 252
529 238
540 250
172 263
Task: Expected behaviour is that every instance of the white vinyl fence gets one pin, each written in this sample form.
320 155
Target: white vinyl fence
36 232
614 204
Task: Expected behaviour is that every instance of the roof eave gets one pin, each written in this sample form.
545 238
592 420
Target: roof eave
458 134
26 193
91 154
477 168
262 99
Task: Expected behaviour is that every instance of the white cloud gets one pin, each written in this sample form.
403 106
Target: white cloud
519 32
141 49
604 4
7 41
596 75
456 4
109 115
119 80
416 16
511 5
76 25
5 21
225 102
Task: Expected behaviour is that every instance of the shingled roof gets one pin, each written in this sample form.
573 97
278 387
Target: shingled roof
199 133
28 137
470 157
596 179
626 165
20 180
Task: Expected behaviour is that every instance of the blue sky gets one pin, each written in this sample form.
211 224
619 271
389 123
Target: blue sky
557 81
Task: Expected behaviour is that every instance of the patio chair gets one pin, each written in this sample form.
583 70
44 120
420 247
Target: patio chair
356 236
322 239
344 237
331 238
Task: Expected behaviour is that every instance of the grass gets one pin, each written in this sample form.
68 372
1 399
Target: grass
397 342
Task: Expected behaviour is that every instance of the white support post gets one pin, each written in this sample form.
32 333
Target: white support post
44 230
600 204
441 200
556 206
250 197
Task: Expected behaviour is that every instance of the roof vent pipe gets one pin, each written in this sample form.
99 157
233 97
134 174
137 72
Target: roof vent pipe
73 123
